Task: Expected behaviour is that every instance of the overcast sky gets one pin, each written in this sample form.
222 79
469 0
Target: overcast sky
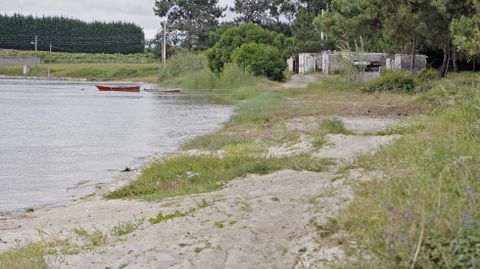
139 12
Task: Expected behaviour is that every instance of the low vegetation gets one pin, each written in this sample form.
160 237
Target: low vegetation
127 227
64 57
188 174
124 71
424 211
190 71
161 218
31 256
403 82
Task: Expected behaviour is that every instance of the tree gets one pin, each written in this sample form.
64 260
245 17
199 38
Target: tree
466 37
190 21
235 37
407 24
254 11
441 18
308 38
261 60
357 24
70 35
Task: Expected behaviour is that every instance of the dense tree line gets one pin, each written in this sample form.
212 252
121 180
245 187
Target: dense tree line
447 31
70 35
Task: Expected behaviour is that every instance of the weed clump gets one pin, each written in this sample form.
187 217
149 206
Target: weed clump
161 218
127 227
30 256
167 178
397 82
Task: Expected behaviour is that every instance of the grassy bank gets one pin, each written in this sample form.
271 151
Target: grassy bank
258 123
425 211
108 71
63 57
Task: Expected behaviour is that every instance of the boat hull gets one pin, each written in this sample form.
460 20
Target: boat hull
165 90
118 88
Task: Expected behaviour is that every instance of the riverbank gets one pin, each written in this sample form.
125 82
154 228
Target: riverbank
281 185
135 72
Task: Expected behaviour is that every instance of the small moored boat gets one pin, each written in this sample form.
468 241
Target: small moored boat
177 90
118 88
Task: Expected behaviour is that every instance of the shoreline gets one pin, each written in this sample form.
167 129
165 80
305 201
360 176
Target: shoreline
116 181
42 78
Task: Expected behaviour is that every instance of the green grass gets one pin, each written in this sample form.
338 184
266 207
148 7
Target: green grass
215 141
265 108
162 218
127 227
334 126
91 239
31 256
118 71
62 57
425 213
169 177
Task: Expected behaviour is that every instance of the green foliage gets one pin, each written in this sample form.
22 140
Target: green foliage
161 218
261 60
235 37
334 126
70 35
143 72
429 196
31 256
213 142
260 109
127 227
393 82
466 35
63 57
307 36
191 21
350 22
188 174
219 224
91 239
189 71
426 79
182 64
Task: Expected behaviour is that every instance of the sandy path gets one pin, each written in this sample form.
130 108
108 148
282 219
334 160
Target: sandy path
256 222
299 81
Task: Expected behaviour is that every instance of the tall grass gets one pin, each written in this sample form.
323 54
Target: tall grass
425 212
29 257
143 72
190 71
188 174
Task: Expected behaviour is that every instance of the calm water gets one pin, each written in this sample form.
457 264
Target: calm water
57 141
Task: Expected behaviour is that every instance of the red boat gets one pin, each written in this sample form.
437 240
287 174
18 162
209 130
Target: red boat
118 88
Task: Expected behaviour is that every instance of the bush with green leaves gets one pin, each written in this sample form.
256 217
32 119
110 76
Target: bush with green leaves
261 60
426 79
236 37
397 81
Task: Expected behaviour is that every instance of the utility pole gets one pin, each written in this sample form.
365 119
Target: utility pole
36 48
49 60
164 51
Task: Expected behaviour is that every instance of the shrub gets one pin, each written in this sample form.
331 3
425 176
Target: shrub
427 75
235 37
261 60
393 82
426 79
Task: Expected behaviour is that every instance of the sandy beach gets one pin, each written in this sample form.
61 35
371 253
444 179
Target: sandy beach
254 222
